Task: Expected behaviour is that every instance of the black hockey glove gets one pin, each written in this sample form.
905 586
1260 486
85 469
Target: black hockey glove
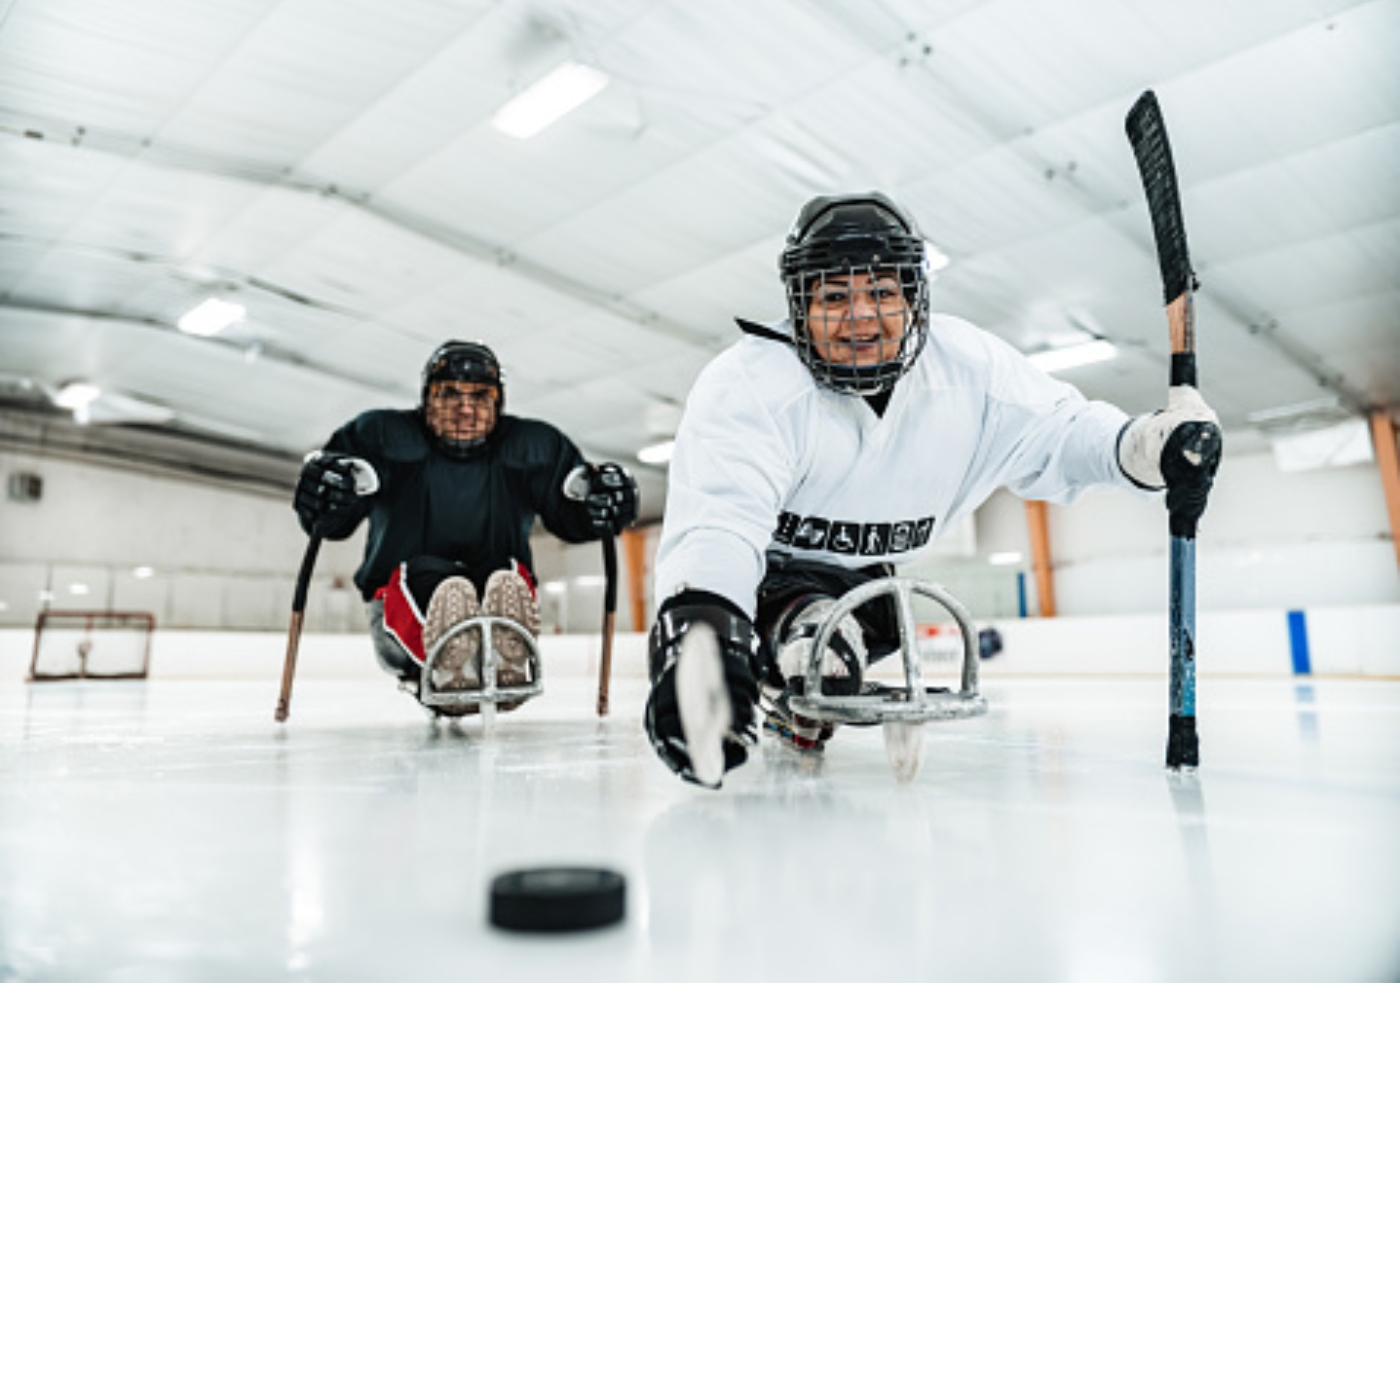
612 500
704 708
331 493
1189 462
1179 448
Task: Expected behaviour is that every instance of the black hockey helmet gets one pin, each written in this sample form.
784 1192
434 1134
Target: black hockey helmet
842 234
467 362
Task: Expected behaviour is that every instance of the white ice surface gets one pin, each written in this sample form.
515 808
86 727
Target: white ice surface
169 830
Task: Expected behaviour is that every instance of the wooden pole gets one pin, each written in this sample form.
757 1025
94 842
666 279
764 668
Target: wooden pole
1383 436
1038 519
634 552
289 664
609 620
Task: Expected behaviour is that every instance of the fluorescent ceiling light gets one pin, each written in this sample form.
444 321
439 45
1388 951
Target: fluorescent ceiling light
1087 352
143 571
78 589
211 316
77 396
568 86
1009 556
658 453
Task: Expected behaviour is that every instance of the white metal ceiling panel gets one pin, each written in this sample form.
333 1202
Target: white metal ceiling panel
126 67
332 167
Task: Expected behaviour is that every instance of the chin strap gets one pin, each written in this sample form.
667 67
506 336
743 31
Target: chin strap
763 332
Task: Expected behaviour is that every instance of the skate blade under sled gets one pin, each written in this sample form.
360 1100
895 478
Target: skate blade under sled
491 694
900 710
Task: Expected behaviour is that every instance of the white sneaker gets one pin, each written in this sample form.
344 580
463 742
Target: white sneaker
458 665
509 595
843 665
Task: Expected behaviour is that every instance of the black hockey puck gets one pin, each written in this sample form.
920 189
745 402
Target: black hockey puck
557 898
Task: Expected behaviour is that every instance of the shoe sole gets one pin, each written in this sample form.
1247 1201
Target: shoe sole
511 598
447 608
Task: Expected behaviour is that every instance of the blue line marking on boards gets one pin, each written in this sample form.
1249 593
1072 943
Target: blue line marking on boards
1298 642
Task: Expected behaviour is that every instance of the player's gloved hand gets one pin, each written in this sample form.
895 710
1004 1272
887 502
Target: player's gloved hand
612 500
331 493
1178 448
738 729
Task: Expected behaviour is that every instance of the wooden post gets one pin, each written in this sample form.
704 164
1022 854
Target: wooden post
1388 460
1038 519
634 552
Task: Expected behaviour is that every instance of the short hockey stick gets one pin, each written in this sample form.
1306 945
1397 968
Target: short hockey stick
576 489
609 620
1148 134
289 666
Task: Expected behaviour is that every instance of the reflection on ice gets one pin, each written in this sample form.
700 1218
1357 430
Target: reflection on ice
171 831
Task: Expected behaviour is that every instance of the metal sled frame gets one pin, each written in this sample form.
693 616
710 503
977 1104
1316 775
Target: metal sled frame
911 703
452 703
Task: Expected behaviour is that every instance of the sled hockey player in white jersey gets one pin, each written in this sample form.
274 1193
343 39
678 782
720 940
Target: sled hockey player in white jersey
815 455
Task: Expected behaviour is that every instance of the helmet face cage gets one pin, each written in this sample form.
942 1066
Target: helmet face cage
839 248
467 362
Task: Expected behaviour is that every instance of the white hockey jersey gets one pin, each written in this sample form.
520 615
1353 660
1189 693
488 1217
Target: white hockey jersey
766 458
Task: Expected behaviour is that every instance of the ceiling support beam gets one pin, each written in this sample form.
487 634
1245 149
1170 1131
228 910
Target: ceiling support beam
261 176
217 344
149 451
1383 436
1038 522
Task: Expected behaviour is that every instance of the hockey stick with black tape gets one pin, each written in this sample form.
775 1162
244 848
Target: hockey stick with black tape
576 489
365 481
289 666
1147 132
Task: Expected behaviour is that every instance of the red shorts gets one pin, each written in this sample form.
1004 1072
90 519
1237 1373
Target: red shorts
402 620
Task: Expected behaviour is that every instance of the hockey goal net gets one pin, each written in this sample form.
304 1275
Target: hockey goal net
94 646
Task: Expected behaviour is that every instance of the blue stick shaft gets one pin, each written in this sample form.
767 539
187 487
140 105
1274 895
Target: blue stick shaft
1183 626
1183 743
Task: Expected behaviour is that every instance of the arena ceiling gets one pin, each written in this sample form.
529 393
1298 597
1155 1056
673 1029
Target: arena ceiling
331 167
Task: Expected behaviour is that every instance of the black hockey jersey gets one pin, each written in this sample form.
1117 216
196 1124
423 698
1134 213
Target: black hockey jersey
477 510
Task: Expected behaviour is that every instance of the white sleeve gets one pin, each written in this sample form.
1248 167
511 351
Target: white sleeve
733 466
1041 438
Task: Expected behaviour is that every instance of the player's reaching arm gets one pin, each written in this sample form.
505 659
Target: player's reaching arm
1044 440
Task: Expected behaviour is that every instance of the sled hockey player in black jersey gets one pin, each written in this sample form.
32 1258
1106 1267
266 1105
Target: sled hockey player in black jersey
816 454
451 491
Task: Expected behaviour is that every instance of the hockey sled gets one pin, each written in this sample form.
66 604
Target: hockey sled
451 704
901 710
